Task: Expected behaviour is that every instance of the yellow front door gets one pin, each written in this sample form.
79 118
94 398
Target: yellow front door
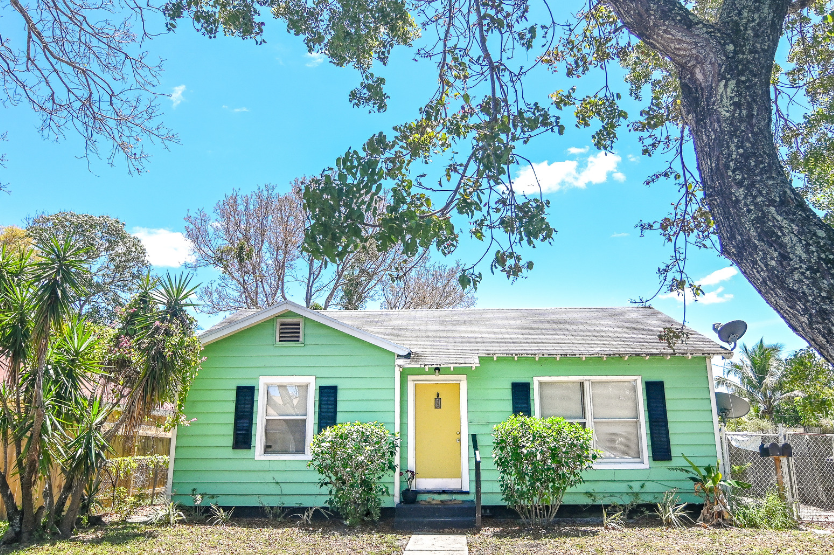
437 435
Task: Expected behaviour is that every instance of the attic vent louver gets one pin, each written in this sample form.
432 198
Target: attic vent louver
289 331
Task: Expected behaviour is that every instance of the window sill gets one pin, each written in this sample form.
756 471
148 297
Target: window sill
621 466
289 344
283 457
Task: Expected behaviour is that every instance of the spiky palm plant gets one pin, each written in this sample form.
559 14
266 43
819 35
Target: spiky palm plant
762 378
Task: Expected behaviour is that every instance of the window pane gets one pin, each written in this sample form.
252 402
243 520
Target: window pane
285 436
617 440
614 399
562 399
286 400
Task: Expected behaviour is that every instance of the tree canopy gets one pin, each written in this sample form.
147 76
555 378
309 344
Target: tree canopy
709 82
116 261
256 240
740 85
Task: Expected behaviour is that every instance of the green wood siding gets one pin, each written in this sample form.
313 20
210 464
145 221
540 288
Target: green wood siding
204 458
688 407
364 374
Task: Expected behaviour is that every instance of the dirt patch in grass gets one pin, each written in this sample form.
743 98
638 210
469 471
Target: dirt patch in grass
497 537
508 537
243 536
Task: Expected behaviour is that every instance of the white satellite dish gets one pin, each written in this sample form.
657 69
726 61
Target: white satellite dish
730 332
730 406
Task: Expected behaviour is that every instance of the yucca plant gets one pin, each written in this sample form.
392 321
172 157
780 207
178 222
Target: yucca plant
671 511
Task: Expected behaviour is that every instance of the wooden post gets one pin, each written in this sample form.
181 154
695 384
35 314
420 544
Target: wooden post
477 480
780 481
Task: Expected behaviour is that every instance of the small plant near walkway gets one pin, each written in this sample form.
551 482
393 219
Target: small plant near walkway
538 459
711 486
352 460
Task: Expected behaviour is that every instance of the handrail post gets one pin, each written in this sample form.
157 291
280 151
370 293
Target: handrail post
477 480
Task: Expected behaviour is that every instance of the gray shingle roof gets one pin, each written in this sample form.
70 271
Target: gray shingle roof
459 337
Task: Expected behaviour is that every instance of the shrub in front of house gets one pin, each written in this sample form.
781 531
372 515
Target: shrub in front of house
538 459
352 460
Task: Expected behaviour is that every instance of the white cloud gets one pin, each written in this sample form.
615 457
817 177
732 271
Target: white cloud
567 174
708 297
176 96
243 109
718 276
633 158
577 150
314 59
620 235
619 176
165 248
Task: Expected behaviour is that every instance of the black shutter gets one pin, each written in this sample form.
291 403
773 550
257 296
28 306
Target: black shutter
244 407
658 421
521 398
327 406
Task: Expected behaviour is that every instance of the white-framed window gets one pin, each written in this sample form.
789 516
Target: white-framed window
611 406
285 417
289 331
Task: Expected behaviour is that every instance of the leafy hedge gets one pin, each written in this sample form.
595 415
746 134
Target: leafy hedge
538 460
352 459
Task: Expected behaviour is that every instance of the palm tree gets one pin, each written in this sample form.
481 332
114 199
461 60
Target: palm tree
761 378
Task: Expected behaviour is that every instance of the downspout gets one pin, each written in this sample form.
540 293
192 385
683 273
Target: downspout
172 451
397 371
718 447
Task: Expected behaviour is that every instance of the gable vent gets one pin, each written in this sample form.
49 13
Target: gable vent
289 331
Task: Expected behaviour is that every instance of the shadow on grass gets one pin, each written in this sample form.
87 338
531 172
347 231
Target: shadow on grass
112 534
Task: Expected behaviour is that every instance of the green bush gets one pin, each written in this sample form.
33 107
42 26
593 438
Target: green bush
770 513
352 460
538 460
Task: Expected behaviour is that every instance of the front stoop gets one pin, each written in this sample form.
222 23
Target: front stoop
424 544
431 516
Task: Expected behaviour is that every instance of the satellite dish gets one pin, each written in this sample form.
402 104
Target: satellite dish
730 332
730 406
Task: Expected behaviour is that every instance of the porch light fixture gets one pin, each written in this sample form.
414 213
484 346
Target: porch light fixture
436 370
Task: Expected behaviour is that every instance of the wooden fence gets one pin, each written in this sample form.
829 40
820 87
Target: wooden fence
145 444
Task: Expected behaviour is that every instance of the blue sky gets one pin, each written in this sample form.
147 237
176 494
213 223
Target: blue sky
248 115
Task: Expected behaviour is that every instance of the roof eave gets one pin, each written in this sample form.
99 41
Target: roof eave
289 306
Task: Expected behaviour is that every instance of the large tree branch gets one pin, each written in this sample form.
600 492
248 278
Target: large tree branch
671 29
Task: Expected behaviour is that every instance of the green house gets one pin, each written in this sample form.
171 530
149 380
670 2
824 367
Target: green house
273 378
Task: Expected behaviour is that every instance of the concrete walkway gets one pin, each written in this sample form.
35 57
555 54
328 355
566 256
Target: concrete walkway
437 544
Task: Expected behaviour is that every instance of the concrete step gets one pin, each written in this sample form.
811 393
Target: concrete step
434 516
453 523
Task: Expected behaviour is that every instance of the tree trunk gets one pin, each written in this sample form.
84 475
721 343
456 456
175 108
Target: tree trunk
67 524
12 512
765 227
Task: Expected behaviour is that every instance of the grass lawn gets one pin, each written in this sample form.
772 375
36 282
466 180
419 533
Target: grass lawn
252 536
